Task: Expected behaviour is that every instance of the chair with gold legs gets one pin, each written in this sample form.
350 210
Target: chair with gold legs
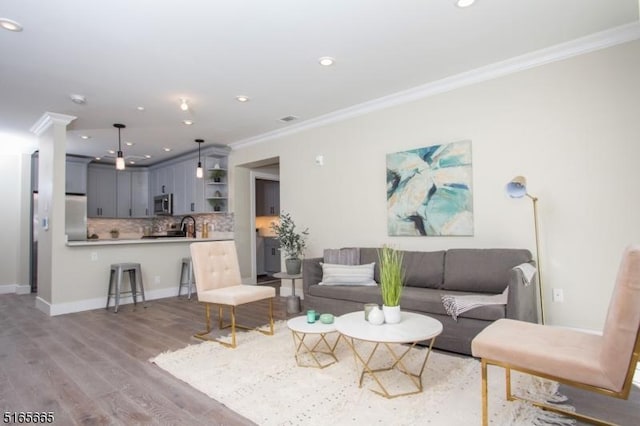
217 276
599 363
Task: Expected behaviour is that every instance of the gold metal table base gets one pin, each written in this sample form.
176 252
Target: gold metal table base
397 364
302 348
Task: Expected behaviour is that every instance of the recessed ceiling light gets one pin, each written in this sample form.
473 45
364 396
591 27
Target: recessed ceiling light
140 108
242 98
464 3
11 25
326 61
187 122
128 143
288 118
183 104
111 151
132 162
147 156
85 137
78 99
98 158
166 149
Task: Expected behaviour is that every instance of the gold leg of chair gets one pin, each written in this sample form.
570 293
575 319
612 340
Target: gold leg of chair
207 313
485 396
507 375
220 317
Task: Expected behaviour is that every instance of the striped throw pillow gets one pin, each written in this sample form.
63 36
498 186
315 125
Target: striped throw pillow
333 274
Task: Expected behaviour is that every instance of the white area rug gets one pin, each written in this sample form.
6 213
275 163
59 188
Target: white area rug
261 380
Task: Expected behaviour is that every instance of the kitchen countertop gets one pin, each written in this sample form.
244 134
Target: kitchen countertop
215 236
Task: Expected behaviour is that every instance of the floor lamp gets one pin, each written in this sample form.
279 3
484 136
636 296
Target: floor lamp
517 188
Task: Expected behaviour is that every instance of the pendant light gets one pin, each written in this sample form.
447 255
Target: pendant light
120 157
199 172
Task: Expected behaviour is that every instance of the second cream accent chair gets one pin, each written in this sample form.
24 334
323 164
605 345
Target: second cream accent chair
217 276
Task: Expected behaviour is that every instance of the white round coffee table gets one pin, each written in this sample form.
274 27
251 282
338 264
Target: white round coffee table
300 329
411 329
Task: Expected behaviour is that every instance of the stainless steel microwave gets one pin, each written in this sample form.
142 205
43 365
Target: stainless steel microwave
163 205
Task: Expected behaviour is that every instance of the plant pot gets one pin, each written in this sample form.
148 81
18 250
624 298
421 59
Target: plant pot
376 316
391 314
293 266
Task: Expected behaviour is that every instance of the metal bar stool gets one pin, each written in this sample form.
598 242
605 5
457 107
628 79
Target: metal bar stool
186 269
115 279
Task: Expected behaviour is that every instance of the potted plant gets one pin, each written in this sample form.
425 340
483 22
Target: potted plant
216 204
217 175
292 242
114 233
391 282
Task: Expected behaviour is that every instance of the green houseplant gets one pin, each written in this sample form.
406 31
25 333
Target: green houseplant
391 282
218 174
292 242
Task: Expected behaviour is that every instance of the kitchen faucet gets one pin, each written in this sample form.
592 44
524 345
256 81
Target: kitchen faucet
184 228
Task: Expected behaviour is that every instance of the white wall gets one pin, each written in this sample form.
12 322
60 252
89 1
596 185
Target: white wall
10 168
570 127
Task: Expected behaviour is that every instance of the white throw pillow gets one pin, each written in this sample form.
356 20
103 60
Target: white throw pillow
333 274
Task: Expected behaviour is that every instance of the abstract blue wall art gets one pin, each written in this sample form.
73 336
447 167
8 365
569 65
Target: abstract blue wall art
429 191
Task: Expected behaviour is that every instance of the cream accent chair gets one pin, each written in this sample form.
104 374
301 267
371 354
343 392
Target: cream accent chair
600 363
217 276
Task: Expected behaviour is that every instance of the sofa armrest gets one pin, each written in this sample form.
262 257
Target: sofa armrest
522 302
311 273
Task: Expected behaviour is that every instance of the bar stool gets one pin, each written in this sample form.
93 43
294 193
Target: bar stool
115 278
186 269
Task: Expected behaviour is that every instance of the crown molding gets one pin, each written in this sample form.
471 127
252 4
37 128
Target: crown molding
49 118
580 46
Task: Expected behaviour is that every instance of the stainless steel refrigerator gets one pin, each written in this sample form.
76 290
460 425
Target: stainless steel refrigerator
75 227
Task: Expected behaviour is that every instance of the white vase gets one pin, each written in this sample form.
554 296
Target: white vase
391 314
376 317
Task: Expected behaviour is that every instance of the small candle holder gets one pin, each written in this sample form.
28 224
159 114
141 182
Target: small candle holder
367 308
311 316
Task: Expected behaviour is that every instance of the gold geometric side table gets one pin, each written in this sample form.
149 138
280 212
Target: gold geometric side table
318 353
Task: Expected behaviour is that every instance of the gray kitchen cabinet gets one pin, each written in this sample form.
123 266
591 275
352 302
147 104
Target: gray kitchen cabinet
75 179
132 193
76 175
180 171
271 255
267 197
101 194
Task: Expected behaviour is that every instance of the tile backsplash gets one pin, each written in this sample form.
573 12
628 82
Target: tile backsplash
135 228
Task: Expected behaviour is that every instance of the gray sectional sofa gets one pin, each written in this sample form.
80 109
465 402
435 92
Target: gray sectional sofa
429 276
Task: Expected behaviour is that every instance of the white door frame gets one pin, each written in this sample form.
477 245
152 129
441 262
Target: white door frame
253 175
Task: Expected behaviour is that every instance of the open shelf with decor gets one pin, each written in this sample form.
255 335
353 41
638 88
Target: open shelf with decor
216 188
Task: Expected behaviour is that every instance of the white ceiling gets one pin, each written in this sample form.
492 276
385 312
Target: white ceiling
121 54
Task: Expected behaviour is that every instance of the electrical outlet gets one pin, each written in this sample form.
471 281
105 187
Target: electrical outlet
156 279
558 295
94 256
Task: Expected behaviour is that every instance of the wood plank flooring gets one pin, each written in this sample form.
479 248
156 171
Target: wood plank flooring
91 368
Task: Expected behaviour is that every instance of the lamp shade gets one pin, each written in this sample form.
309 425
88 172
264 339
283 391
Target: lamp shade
517 188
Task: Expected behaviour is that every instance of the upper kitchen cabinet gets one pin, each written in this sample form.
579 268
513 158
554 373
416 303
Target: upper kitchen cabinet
101 194
267 197
132 193
75 174
216 184
189 190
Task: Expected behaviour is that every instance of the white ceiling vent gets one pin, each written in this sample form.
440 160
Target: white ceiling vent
288 118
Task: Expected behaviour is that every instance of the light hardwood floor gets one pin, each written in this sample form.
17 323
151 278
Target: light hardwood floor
91 368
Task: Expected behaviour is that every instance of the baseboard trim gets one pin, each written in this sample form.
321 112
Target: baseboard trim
15 288
98 302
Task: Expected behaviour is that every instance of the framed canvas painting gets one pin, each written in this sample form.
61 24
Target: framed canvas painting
429 191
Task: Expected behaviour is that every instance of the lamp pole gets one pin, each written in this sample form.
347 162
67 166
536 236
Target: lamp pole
535 225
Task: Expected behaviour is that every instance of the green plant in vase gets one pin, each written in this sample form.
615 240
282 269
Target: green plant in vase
218 174
391 282
292 242
216 204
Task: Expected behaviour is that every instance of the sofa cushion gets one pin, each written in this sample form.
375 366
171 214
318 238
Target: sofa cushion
353 293
423 268
368 255
333 274
429 301
481 270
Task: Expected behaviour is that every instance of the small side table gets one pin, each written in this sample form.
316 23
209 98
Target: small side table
322 354
293 301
